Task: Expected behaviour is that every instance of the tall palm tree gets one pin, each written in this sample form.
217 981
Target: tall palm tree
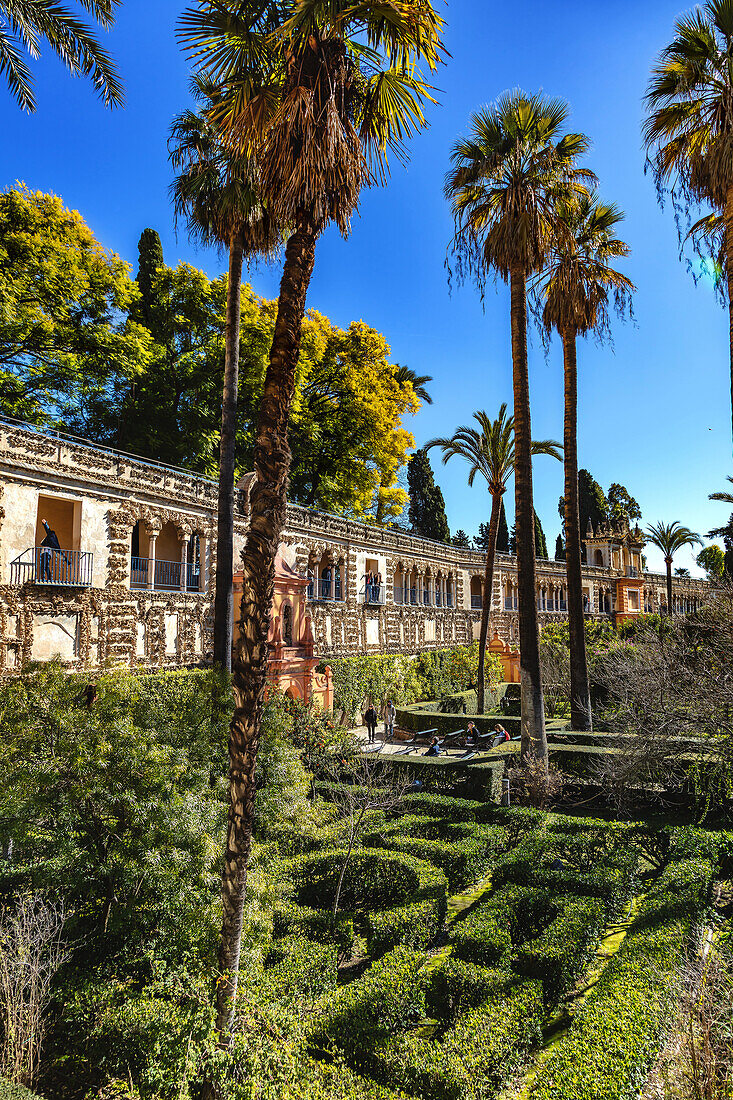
23 23
689 127
319 91
216 191
576 287
669 538
503 186
489 452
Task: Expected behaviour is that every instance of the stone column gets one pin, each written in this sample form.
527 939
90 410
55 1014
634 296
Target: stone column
183 542
152 539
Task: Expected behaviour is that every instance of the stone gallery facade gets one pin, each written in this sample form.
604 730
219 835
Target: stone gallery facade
132 578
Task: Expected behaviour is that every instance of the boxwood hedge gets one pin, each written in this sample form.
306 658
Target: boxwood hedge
464 851
393 897
616 1032
562 951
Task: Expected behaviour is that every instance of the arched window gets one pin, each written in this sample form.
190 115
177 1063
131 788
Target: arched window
287 624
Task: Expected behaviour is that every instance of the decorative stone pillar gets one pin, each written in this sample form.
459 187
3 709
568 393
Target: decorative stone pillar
183 542
152 539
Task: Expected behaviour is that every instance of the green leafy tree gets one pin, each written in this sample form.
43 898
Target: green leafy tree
23 23
318 92
461 539
504 184
64 333
539 537
502 533
725 533
712 560
490 452
427 506
416 384
669 538
576 287
217 192
621 505
689 130
592 504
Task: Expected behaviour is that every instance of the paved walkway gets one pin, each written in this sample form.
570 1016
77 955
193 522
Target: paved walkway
384 747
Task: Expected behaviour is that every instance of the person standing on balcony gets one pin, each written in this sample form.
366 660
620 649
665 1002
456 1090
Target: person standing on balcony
49 550
377 586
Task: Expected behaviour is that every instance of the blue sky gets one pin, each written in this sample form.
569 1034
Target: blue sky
654 411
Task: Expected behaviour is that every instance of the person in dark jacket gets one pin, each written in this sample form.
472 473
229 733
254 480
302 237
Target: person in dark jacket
370 721
49 547
433 748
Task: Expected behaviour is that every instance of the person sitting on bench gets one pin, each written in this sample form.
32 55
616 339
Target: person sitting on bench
501 735
433 748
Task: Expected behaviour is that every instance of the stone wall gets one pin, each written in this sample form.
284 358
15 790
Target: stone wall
111 620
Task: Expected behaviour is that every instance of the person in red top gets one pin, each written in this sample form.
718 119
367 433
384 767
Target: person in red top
501 735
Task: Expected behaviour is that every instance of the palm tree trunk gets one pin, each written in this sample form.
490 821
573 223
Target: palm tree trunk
580 708
729 266
668 563
486 605
267 518
534 737
223 598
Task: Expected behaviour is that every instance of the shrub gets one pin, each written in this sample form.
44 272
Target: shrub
436 805
393 897
481 937
616 1032
562 951
390 997
508 917
464 851
299 969
478 1051
10 1091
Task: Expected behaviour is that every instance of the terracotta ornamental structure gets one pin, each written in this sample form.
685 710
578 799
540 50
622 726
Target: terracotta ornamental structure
127 574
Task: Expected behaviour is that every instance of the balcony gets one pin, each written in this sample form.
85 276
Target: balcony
373 594
477 603
165 575
60 568
330 591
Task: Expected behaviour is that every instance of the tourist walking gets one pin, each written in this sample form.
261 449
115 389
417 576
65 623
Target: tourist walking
390 713
370 721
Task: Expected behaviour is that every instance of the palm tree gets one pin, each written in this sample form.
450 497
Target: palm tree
216 192
489 452
319 91
669 538
576 287
689 127
726 498
504 185
23 23
417 381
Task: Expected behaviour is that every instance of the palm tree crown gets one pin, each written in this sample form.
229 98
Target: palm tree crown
417 381
319 90
490 450
671 537
689 126
505 181
579 281
23 23
216 190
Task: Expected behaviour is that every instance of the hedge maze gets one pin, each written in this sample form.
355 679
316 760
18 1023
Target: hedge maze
493 998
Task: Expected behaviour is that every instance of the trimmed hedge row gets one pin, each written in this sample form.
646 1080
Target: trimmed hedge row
486 1021
465 852
507 918
479 1049
561 952
299 968
616 1033
438 805
394 898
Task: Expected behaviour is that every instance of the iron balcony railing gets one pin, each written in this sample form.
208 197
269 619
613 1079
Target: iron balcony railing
166 575
325 590
372 594
44 565
477 602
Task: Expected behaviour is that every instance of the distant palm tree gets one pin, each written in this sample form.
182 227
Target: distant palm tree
576 287
217 193
321 91
726 498
489 452
689 126
669 538
23 23
417 381
503 186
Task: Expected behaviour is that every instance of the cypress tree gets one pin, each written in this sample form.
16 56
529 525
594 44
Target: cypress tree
559 549
427 506
150 258
540 542
461 539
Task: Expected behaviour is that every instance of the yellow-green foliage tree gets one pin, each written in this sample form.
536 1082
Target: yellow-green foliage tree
65 333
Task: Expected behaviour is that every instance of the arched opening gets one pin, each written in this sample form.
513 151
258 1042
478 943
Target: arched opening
287 624
599 557
477 593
